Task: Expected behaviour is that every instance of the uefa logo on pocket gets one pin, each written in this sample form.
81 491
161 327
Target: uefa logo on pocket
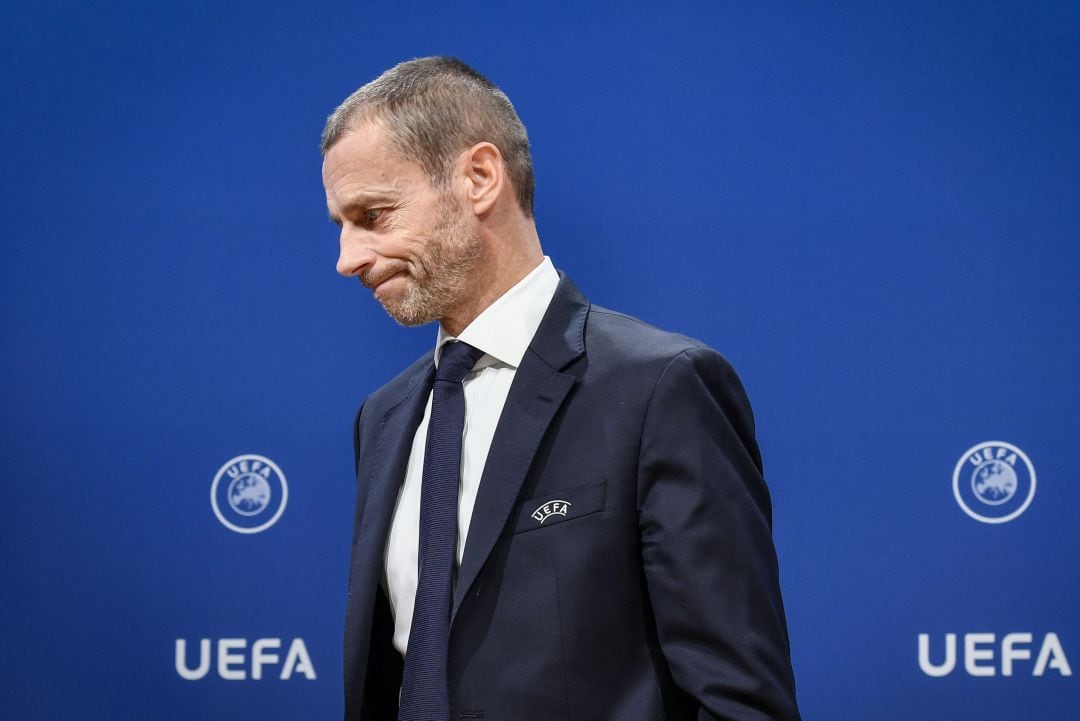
994 482
249 493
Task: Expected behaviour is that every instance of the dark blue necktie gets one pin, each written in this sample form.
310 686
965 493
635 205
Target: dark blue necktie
424 695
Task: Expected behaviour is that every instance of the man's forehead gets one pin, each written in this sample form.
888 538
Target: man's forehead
358 177
354 150
369 140
366 158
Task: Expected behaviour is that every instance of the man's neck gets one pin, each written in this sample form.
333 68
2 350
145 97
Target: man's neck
503 266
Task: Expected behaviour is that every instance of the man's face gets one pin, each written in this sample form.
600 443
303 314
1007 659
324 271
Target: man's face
413 245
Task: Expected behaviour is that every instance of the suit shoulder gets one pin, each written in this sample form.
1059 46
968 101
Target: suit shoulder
400 386
629 336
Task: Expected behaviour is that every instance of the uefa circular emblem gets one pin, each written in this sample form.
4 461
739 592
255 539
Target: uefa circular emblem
994 482
249 493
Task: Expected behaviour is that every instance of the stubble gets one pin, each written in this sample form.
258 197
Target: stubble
439 275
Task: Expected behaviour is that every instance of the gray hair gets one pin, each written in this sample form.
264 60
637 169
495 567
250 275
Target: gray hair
434 108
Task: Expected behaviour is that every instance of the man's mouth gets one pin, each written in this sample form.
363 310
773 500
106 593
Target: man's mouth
375 282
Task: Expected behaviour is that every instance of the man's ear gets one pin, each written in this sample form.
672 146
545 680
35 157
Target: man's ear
484 176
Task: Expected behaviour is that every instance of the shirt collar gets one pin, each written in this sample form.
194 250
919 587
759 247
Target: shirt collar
507 326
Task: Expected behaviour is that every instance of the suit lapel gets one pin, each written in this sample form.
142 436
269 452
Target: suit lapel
538 391
386 465
396 431
380 471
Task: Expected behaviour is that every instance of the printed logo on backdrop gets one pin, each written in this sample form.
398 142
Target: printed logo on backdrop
983 654
994 482
249 493
238 660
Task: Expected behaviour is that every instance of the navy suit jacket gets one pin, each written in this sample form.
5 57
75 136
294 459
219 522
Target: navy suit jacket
649 592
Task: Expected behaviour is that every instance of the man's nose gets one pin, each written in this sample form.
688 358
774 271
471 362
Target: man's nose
355 255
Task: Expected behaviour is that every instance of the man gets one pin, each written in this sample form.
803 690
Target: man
560 512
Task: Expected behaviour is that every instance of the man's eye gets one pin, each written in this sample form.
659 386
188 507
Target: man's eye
372 214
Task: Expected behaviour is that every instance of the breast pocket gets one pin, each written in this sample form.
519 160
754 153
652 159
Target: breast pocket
558 507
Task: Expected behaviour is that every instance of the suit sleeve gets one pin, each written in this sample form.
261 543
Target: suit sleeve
356 439
708 555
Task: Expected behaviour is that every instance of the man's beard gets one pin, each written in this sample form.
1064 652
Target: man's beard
438 275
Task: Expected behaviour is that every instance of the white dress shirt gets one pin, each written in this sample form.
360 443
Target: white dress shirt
503 332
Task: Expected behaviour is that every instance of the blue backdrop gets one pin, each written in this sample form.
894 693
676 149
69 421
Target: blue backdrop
871 209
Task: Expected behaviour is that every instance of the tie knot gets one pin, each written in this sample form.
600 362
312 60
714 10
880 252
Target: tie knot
456 360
